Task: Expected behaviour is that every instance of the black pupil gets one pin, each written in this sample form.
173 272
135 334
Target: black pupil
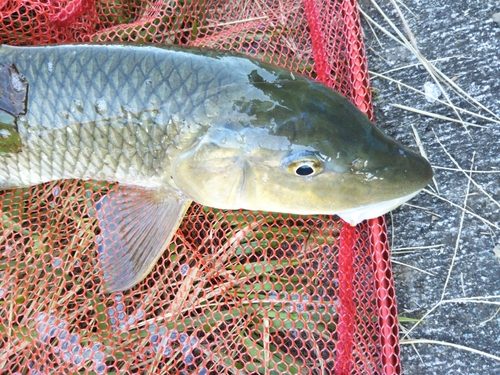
304 170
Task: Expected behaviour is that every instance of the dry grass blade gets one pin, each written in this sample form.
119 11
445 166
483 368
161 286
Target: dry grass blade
458 235
463 110
406 250
435 115
412 267
463 170
466 175
435 73
461 208
423 153
456 346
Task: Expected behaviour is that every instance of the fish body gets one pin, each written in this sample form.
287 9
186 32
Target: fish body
175 125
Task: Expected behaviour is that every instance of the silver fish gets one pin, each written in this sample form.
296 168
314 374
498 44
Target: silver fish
174 125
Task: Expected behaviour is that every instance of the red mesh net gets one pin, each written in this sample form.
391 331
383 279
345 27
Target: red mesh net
236 292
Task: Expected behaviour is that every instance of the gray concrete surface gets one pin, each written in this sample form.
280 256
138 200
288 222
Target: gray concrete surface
466 40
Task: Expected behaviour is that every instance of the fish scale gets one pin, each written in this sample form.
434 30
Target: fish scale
174 125
122 81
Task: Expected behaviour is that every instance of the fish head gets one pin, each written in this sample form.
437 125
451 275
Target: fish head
308 152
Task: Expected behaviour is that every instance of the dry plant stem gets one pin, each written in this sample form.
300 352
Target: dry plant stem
466 175
435 115
415 268
459 234
429 67
435 342
433 71
423 153
423 208
403 67
405 250
464 170
399 83
451 265
461 208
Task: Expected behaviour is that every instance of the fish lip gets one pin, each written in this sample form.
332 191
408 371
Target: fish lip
356 215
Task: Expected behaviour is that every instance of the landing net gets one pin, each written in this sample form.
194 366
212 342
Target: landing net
237 292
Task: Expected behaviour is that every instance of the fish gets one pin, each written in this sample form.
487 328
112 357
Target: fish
172 125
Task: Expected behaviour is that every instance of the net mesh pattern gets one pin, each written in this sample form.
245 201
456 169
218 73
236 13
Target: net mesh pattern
236 292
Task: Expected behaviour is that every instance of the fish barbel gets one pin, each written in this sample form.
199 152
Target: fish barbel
174 125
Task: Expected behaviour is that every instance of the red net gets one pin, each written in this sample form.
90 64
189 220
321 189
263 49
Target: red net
236 292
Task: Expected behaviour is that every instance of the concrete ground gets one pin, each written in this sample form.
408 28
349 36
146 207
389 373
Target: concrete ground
450 278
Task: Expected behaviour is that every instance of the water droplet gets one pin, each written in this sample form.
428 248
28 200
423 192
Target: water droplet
184 269
154 338
4 133
18 82
87 353
74 338
140 314
77 105
75 349
189 359
152 328
101 106
98 356
100 368
78 359
41 327
53 331
50 67
211 108
63 334
273 296
40 316
56 263
44 338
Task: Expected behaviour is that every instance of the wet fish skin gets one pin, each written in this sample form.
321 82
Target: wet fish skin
177 124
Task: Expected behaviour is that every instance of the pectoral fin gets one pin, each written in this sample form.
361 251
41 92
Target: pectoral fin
136 225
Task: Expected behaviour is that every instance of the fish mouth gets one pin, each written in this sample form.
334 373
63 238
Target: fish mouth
356 215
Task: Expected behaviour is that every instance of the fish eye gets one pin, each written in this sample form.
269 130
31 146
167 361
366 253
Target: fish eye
304 170
303 164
